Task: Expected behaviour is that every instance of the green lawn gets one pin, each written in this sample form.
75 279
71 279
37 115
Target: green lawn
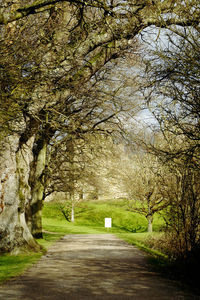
14 265
94 213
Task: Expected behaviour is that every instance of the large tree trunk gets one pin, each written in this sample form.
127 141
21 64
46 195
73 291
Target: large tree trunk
15 193
38 184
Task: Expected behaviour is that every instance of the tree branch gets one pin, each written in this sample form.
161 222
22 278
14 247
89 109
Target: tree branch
41 5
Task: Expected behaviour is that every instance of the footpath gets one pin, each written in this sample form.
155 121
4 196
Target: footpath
91 267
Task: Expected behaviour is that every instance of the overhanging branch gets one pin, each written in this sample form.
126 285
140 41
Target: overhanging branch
41 5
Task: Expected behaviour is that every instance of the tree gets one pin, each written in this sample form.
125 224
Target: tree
182 215
175 83
65 172
145 182
58 63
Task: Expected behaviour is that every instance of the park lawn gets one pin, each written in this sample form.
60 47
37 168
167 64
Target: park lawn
95 212
80 226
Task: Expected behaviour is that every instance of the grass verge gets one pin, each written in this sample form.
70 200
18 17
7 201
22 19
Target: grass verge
14 265
141 241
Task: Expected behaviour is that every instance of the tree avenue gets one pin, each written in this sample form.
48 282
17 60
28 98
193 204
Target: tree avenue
52 53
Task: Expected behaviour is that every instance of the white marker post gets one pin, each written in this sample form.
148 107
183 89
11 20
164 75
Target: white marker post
108 222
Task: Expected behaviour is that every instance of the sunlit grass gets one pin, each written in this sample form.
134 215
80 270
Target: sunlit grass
14 265
78 227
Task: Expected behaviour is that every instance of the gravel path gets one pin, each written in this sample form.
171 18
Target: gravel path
92 267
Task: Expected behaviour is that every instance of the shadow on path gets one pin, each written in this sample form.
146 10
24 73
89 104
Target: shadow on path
92 267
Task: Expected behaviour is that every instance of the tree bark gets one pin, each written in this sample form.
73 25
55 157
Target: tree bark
15 193
72 213
150 223
36 203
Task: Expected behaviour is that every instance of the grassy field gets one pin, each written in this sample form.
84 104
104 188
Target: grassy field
89 218
94 213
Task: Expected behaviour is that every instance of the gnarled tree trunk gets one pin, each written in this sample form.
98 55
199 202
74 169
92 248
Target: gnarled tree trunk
15 193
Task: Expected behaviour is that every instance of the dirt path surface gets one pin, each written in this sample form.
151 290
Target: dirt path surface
91 267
